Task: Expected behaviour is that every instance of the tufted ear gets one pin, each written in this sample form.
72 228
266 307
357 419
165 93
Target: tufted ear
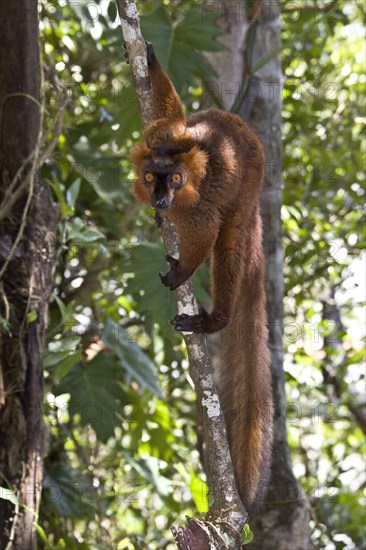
139 153
195 162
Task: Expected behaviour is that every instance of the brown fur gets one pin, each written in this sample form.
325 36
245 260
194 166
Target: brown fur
216 210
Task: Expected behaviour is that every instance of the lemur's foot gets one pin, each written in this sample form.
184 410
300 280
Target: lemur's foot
203 322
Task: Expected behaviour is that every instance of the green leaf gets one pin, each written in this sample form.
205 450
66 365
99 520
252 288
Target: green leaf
94 389
32 316
149 469
79 235
199 492
175 43
54 358
4 324
73 192
153 299
65 489
191 31
8 494
112 11
161 441
67 363
67 311
133 360
247 535
66 210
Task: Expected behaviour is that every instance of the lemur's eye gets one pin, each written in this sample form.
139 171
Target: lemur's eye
176 178
149 177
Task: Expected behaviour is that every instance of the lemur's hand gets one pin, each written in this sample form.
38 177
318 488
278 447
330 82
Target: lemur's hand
177 274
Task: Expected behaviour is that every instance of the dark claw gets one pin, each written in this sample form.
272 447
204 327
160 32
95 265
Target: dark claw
176 276
188 323
172 261
163 277
166 280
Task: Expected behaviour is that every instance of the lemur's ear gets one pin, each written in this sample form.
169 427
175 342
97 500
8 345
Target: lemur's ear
139 153
195 162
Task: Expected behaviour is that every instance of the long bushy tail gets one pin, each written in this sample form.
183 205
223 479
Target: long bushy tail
245 378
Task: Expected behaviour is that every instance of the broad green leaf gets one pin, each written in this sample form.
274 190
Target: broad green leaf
132 358
149 469
175 42
67 363
153 299
54 358
201 35
94 389
161 437
65 489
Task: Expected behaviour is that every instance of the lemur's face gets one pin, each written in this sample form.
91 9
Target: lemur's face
168 175
165 177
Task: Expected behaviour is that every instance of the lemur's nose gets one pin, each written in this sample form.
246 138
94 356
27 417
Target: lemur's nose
160 203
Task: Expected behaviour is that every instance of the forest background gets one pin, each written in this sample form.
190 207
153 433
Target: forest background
121 462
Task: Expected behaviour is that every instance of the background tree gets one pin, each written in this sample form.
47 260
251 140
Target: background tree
28 220
249 82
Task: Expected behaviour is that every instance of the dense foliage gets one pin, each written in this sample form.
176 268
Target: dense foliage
120 408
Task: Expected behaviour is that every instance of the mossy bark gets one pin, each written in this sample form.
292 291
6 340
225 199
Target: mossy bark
27 274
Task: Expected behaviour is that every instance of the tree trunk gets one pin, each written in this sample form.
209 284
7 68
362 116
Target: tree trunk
27 235
284 522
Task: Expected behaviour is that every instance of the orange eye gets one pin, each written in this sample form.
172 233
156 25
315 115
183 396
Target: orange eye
149 177
176 178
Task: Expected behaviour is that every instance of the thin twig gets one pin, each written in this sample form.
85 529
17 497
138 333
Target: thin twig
11 196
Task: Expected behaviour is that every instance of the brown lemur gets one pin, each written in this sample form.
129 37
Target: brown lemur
204 174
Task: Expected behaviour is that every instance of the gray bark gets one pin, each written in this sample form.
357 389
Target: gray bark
27 234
